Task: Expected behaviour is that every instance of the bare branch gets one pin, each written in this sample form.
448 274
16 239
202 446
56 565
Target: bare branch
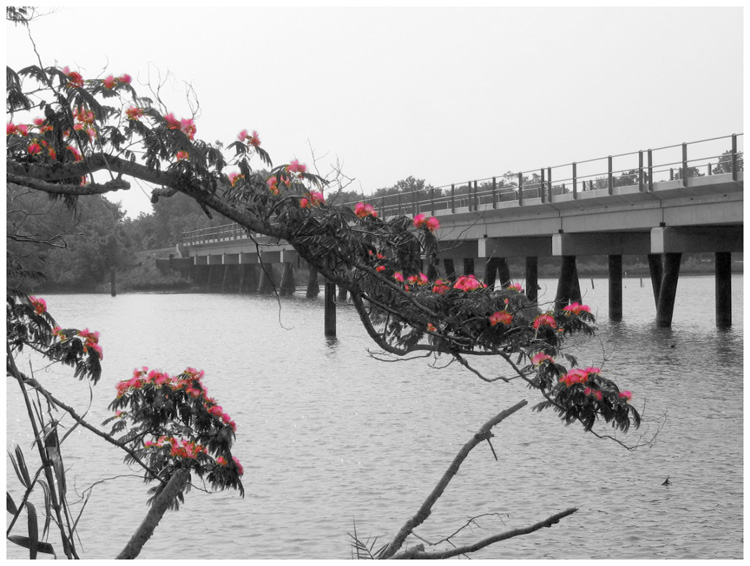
68 188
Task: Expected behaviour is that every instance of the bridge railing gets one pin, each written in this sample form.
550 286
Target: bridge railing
643 168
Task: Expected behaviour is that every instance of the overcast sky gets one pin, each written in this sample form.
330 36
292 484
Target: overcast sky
440 93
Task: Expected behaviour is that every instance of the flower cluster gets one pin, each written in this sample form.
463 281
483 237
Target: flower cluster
253 140
515 287
544 319
273 183
223 462
575 308
441 287
296 167
431 223
501 317
134 113
91 341
187 127
183 156
364 210
39 304
468 283
179 448
540 358
74 78
111 81
313 198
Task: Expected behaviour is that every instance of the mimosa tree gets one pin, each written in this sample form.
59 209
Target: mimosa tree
72 136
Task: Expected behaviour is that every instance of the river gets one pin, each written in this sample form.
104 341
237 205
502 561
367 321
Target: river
331 438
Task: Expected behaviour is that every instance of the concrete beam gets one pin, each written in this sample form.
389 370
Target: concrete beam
231 259
270 257
201 259
289 255
601 243
248 258
531 246
696 240
215 259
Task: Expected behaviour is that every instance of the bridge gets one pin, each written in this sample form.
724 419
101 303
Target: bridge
658 203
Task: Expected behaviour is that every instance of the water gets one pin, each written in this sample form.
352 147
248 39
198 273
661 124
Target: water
331 438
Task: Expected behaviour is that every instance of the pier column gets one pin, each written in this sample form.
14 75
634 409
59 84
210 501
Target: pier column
723 289
432 272
468 266
668 289
532 278
615 287
490 272
450 270
287 279
342 295
329 317
567 286
656 270
494 268
313 289
265 278
224 278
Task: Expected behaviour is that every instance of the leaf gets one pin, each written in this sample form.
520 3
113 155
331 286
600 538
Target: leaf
44 547
20 467
33 530
10 504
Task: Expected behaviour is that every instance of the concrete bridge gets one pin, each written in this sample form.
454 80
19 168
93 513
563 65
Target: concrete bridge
688 199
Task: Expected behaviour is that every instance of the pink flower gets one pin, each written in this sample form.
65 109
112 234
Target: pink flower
234 177
627 395
419 220
180 155
363 210
380 268
593 370
40 305
240 469
432 224
34 148
76 154
468 283
574 376
422 279
544 320
125 79
172 122
440 287
254 139
242 135
398 276
541 357
575 308
315 198
109 82
304 203
134 113
516 287
74 79
431 327
188 128
296 167
501 317
221 461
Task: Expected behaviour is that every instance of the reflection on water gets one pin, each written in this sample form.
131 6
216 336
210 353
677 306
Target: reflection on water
329 436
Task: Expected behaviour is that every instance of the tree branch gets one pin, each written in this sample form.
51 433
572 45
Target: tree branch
68 188
424 511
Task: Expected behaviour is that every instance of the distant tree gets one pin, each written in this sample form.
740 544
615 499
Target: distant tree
725 163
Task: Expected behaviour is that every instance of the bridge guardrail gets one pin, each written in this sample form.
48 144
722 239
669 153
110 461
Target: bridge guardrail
642 169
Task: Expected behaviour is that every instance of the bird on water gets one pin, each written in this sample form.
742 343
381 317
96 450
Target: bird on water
667 482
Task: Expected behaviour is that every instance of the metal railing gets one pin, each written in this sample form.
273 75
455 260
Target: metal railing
644 168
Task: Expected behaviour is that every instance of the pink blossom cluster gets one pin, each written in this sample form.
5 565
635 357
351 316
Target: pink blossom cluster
253 140
431 223
313 198
39 304
441 287
501 317
364 210
111 81
223 462
296 167
182 155
91 341
134 113
544 319
180 448
186 126
234 177
74 78
516 287
540 358
576 308
273 183
468 283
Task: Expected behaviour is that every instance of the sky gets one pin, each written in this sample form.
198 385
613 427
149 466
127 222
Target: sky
442 93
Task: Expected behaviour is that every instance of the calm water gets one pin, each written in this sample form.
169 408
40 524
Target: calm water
329 436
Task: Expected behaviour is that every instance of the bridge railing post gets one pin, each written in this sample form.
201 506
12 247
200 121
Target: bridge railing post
549 182
640 171
575 181
541 185
684 165
476 197
432 201
734 157
399 203
414 202
453 198
610 178
650 171
520 189
494 190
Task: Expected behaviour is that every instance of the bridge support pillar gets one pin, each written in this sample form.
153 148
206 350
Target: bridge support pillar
313 289
450 270
432 272
668 289
494 268
532 278
615 287
224 278
468 266
568 288
265 278
329 317
209 278
656 270
723 289
287 279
